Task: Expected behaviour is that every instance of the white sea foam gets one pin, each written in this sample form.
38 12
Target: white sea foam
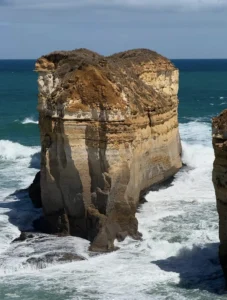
15 174
196 133
29 120
11 151
176 260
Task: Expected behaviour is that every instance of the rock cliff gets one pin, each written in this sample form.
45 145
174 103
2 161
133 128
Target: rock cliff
219 128
109 130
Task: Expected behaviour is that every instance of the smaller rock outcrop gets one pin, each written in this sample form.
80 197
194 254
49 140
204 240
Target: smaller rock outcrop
44 250
219 130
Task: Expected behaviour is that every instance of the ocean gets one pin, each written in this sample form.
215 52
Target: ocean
178 256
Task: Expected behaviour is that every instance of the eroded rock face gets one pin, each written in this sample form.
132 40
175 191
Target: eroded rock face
109 130
219 128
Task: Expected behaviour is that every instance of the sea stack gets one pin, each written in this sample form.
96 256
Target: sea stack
219 130
109 131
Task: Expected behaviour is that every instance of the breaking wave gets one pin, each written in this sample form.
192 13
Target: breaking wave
12 151
29 121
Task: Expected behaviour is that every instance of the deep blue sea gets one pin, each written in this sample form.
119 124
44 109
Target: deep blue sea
177 258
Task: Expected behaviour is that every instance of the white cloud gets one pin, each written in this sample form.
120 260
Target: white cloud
166 5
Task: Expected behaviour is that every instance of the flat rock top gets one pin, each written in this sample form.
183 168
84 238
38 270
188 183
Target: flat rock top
88 79
85 56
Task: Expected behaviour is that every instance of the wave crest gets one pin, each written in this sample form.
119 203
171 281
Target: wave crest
11 151
29 120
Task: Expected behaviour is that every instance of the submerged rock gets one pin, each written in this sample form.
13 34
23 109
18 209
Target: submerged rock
109 131
23 237
219 130
41 262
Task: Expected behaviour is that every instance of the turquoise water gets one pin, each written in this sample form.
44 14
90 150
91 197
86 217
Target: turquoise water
177 258
18 98
203 89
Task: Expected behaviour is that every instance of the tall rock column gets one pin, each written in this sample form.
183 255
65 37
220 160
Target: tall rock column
219 128
109 130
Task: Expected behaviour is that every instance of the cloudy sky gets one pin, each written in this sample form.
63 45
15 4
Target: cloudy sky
174 28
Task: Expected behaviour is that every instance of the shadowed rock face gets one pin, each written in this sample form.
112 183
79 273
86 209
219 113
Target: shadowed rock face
109 130
34 192
219 127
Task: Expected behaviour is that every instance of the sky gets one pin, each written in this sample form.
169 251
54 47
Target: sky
174 28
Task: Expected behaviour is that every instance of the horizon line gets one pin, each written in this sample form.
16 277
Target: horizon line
224 58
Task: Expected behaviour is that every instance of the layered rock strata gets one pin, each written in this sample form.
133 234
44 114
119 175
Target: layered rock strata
109 130
219 131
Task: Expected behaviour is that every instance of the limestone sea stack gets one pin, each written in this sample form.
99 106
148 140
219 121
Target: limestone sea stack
109 131
219 128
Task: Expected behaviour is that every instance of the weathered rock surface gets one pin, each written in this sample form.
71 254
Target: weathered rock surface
219 128
109 130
